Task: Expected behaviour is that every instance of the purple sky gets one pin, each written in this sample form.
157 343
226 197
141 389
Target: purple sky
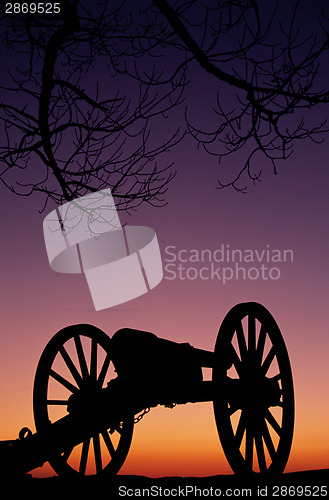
288 211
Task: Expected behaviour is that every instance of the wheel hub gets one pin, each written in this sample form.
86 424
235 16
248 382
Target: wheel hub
253 392
84 400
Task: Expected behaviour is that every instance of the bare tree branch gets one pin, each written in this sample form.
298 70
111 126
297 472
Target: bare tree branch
275 79
73 136
83 105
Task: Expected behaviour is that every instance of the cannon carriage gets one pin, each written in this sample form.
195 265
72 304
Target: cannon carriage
90 390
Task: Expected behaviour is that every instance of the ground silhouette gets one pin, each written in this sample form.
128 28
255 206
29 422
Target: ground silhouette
311 483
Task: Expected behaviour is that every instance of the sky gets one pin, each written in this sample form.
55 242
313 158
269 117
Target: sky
287 211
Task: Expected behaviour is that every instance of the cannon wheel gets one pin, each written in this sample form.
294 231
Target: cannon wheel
77 355
254 395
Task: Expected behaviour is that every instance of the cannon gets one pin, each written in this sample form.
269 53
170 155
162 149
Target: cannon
90 390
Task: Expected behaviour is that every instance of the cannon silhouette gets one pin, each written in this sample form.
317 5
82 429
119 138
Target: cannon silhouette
90 390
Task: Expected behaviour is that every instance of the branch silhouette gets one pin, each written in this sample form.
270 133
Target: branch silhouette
93 97
80 134
275 77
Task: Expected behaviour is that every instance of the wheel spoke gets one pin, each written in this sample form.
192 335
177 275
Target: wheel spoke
260 452
268 360
236 361
84 457
81 356
240 430
108 442
268 440
249 447
271 420
261 344
56 402
104 369
97 452
71 366
63 381
93 360
241 341
251 333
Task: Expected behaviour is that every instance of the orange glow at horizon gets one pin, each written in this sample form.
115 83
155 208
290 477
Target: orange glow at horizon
36 303
184 442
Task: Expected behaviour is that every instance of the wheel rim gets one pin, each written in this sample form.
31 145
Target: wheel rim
75 357
254 400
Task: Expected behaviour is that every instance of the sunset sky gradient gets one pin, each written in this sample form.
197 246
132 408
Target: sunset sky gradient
284 211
